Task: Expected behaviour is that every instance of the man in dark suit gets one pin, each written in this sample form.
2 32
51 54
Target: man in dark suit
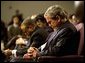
63 41
37 35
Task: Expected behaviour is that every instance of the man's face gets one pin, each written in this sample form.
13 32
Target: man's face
51 22
27 30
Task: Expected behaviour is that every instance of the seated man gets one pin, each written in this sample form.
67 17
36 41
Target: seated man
37 35
63 41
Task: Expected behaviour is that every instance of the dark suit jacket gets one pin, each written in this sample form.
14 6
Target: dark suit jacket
38 37
64 42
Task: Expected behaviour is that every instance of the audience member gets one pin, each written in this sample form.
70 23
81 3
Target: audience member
79 12
14 29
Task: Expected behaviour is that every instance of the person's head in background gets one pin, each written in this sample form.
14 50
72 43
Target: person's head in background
73 19
28 26
40 21
79 11
55 16
15 20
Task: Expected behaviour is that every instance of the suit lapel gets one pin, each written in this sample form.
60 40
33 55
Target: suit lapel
50 39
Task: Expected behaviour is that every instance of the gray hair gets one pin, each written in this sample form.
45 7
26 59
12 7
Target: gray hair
55 11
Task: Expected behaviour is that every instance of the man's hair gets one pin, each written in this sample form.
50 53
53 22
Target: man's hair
55 11
28 21
40 17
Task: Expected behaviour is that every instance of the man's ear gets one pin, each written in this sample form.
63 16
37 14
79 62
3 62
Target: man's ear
58 18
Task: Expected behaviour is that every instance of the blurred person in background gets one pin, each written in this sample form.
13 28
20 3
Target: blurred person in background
79 13
14 29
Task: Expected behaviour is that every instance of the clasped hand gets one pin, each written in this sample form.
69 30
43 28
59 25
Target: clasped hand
32 52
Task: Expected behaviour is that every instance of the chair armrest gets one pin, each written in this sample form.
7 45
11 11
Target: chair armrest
72 58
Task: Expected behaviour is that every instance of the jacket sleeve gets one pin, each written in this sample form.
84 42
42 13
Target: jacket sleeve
37 41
